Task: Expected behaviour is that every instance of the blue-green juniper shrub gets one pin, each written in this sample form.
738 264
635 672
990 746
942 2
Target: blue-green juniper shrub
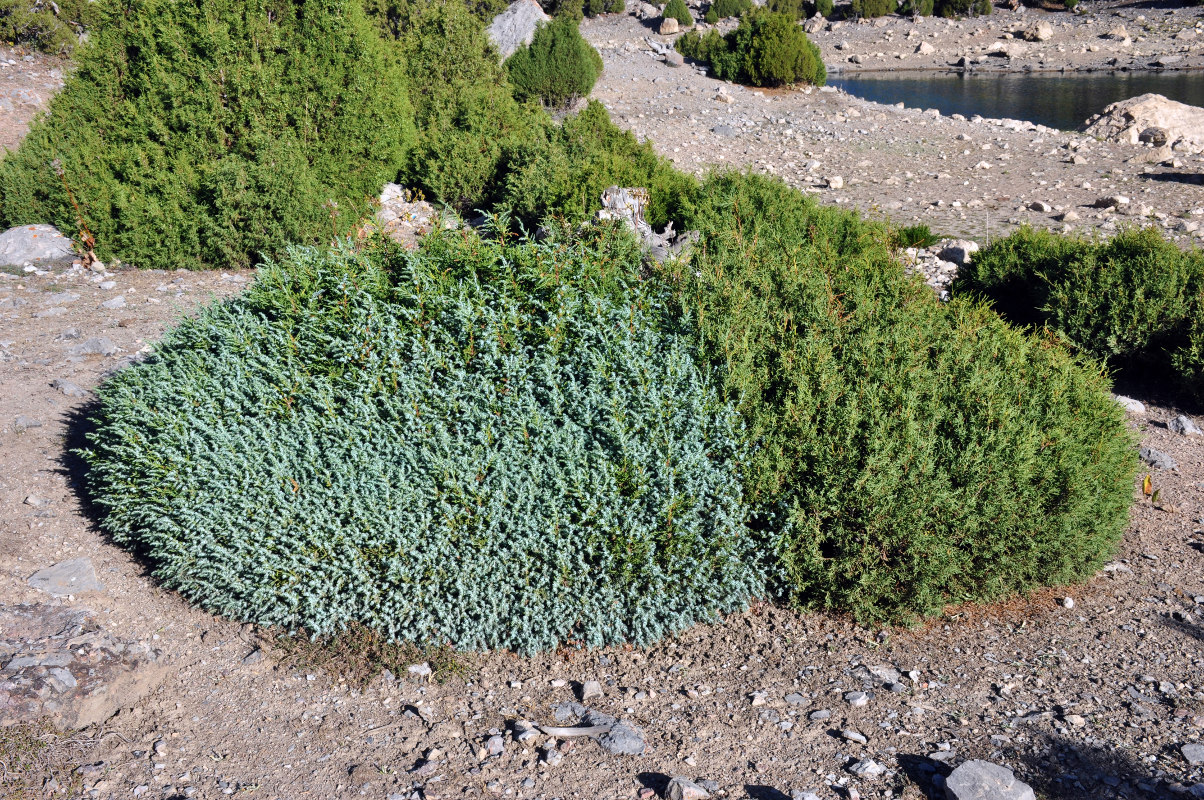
906 454
482 444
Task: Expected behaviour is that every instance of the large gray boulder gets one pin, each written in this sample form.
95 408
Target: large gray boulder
982 780
1180 126
37 245
516 26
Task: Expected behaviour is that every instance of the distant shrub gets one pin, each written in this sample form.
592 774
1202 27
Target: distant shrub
905 454
731 8
766 49
1129 301
678 10
558 67
872 8
206 133
917 8
798 9
824 7
962 8
595 7
53 28
484 445
915 236
562 171
1070 5
711 17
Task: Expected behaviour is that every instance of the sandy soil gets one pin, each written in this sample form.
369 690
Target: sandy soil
1089 699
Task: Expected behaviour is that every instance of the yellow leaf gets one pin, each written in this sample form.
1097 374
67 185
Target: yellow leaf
1147 486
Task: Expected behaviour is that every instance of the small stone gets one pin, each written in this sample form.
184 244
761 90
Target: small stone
834 182
114 303
68 577
68 388
552 757
1070 216
1184 426
868 768
925 49
674 59
36 502
724 130
252 658
1112 201
1075 720
1156 458
1194 753
982 780
854 736
857 699
1067 602
760 698
724 97
796 699
822 714
959 251
159 747
590 690
623 739
96 346
685 789
669 26
1040 206
1129 404
419 671
803 794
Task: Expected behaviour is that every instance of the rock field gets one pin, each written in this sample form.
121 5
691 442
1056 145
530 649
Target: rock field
1084 692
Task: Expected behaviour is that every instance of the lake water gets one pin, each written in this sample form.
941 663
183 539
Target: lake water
1058 100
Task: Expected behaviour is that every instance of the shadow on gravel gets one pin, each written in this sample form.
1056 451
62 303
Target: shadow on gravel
1176 620
1176 177
764 793
78 425
655 781
1057 767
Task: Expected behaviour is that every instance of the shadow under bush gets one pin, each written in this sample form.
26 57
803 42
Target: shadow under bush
906 454
478 444
204 134
1134 301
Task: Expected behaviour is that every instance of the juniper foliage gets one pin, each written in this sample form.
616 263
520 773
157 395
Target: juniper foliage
53 28
202 133
906 454
1130 301
765 49
481 444
558 66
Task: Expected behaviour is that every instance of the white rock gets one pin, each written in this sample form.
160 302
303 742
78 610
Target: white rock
1184 426
669 26
1129 404
516 26
1181 126
835 182
982 780
34 244
925 49
1041 32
